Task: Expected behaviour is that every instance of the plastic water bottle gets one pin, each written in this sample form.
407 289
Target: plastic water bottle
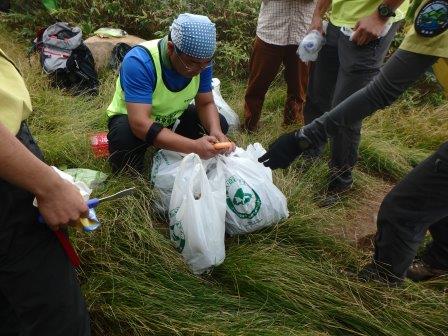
310 46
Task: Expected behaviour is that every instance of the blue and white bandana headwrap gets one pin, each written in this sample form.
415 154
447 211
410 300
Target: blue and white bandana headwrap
194 35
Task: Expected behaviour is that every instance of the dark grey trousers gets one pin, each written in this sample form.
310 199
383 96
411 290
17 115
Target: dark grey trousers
341 69
420 201
417 204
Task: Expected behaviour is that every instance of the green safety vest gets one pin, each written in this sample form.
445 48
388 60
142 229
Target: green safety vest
15 102
167 105
346 13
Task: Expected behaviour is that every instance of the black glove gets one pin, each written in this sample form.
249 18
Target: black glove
285 149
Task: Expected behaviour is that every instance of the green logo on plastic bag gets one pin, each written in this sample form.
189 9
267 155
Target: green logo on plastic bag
242 200
176 231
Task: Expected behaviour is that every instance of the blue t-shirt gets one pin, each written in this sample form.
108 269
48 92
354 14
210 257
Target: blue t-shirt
138 77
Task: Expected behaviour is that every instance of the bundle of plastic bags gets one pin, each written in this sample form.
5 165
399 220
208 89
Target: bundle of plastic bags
234 193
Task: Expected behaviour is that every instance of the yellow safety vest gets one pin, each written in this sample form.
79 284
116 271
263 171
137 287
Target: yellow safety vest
15 101
435 46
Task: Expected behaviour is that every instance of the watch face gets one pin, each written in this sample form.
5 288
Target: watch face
384 11
432 19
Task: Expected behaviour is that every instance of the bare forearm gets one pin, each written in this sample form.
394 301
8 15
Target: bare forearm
209 117
21 168
322 7
175 142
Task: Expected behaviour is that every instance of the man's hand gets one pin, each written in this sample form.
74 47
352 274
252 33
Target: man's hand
368 29
316 24
61 205
283 151
204 147
221 137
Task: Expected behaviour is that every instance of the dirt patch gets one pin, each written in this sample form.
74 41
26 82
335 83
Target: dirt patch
360 225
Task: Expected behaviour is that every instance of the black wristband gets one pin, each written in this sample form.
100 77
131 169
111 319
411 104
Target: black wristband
152 133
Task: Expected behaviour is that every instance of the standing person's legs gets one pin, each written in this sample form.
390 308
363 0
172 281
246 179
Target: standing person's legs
358 66
323 77
264 63
416 204
322 81
126 150
296 77
9 322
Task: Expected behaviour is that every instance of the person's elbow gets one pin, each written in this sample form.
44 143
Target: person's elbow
139 119
139 127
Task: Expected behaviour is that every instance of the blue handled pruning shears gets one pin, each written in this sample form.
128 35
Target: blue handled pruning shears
94 202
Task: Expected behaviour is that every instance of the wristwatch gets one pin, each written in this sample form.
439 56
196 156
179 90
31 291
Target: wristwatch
385 11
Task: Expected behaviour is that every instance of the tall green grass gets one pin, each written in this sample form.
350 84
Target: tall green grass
291 279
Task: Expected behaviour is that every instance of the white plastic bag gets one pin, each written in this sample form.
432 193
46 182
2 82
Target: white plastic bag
253 201
197 213
92 222
83 188
165 167
224 108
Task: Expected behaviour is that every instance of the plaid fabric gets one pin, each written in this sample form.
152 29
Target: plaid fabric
284 22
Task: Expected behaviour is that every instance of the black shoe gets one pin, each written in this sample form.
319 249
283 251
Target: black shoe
375 273
333 196
420 271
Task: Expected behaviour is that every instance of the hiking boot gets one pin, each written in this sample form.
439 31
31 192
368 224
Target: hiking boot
375 273
333 196
420 271
340 183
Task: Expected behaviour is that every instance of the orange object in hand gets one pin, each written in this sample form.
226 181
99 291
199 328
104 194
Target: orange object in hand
222 145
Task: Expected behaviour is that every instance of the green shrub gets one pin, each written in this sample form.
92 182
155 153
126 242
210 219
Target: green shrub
235 21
